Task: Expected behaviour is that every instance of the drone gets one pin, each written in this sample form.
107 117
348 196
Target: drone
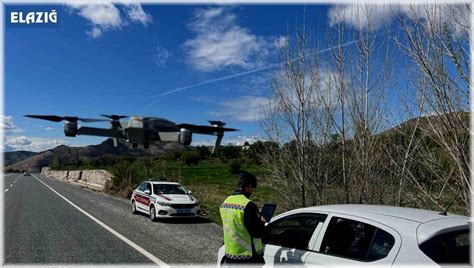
139 130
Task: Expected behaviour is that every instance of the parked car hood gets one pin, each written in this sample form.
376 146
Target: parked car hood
178 198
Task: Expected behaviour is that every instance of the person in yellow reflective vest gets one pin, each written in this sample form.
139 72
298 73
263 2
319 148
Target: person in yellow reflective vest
242 224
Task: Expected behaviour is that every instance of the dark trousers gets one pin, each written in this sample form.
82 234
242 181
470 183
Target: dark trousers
254 261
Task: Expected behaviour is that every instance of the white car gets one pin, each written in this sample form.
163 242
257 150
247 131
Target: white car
163 200
365 235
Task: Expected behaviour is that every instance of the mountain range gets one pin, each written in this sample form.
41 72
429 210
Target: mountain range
101 153
105 153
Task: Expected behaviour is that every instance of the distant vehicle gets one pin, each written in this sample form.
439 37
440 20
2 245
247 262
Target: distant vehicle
26 173
161 199
365 235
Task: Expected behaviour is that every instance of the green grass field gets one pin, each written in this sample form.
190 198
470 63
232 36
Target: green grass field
211 181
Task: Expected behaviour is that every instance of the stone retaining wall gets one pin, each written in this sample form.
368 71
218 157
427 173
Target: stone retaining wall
74 175
93 179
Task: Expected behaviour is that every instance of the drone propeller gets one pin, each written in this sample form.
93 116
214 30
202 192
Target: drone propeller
56 118
114 116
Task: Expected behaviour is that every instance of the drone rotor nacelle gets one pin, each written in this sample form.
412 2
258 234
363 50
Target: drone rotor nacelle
217 123
185 136
70 128
115 124
115 120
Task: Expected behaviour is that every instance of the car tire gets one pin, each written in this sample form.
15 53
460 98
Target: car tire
134 208
152 213
222 262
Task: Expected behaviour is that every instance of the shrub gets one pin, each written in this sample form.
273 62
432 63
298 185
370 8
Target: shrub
235 165
190 158
229 152
55 164
203 152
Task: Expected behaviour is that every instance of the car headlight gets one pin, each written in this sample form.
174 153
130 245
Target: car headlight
196 201
163 204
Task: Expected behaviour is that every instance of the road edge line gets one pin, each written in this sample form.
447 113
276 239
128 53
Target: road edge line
117 234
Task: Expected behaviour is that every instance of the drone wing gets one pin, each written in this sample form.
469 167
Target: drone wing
199 129
217 130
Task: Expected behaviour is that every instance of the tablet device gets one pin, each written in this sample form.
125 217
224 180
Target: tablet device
267 211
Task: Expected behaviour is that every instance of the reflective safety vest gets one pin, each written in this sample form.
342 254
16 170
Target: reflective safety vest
237 240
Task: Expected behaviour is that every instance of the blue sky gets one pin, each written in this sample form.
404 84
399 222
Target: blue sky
108 59
186 63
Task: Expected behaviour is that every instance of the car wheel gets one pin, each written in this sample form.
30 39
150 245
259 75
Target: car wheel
152 213
222 263
134 208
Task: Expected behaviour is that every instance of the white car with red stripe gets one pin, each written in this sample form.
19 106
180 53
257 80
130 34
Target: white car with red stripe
161 199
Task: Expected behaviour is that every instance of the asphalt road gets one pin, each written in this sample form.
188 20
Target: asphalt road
66 224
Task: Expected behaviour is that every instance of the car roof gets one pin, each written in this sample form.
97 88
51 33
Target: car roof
375 211
164 182
440 226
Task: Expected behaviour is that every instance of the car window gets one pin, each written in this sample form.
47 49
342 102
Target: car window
169 189
148 187
383 243
448 248
356 240
293 231
142 187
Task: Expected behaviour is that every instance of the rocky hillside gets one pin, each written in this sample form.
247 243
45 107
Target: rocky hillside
101 153
14 157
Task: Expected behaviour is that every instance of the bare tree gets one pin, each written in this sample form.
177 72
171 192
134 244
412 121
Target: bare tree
296 167
327 113
359 77
332 97
437 42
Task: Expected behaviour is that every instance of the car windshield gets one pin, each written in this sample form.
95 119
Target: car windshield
447 248
168 189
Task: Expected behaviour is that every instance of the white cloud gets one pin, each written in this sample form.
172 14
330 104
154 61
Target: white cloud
95 32
253 107
245 108
34 144
238 141
358 15
136 13
105 16
281 41
219 42
49 128
256 84
8 125
161 55
102 17
317 88
204 143
456 17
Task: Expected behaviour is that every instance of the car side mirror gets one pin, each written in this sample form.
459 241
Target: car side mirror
190 193
147 191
